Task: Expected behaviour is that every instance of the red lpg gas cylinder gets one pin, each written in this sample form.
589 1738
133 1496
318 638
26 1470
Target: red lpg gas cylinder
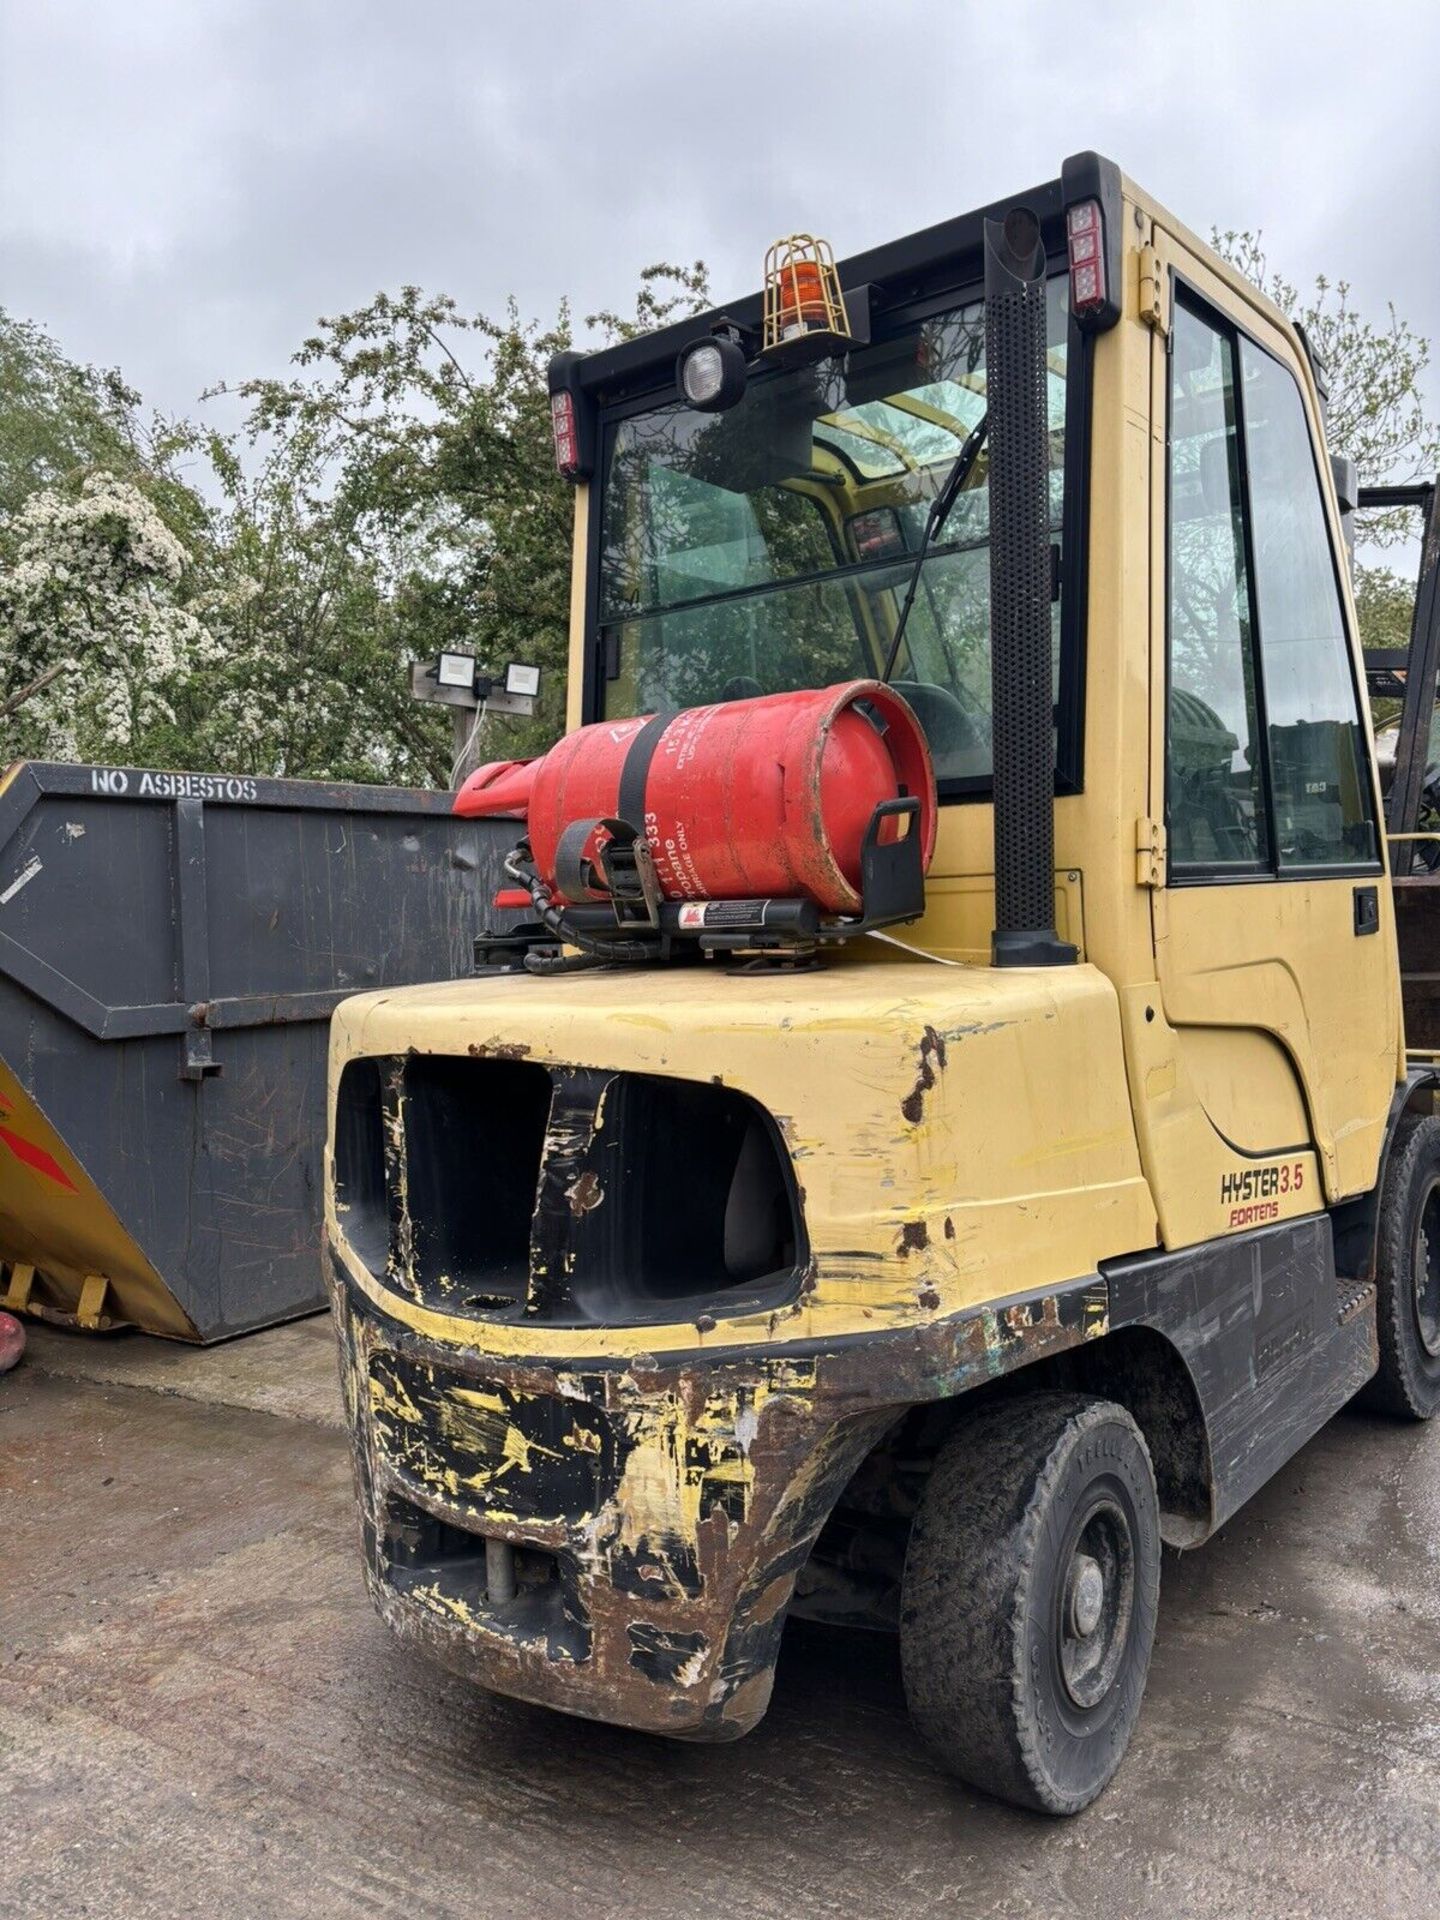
765 798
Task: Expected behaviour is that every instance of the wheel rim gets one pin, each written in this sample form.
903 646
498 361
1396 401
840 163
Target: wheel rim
1097 1600
1426 1267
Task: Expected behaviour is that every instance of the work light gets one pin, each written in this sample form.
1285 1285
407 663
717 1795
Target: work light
522 680
711 374
456 670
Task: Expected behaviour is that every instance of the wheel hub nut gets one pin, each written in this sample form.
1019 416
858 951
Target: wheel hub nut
1087 1596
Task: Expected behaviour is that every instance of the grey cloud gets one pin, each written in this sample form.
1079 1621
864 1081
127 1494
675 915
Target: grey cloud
184 188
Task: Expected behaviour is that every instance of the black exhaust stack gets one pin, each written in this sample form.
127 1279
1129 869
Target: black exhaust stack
1020 588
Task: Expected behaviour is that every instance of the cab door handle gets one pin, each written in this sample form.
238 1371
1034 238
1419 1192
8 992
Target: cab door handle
1367 910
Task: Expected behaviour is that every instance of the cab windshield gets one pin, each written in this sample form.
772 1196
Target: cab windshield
769 547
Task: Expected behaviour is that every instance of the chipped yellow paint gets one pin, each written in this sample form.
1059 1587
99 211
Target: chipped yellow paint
476 1397
480 1424
656 1498
398 1405
448 1603
925 1185
691 1670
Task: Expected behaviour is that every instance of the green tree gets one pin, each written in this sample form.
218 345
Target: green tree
60 420
394 496
1378 410
412 453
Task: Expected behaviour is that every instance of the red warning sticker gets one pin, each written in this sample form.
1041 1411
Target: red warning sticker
32 1156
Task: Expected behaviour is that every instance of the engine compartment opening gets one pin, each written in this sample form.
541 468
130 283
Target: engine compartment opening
492 1187
473 1134
360 1196
704 1212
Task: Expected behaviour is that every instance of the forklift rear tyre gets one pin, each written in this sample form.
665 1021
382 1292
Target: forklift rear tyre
1407 1276
1031 1584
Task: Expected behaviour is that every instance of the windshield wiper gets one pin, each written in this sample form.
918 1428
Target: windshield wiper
939 513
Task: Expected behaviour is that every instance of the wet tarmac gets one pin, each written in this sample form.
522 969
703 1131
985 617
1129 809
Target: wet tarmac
199 1715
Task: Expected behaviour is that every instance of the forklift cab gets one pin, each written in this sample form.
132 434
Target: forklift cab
769 547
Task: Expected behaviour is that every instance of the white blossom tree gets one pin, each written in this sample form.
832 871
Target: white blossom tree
96 645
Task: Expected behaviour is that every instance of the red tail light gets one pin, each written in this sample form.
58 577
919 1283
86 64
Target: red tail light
1086 235
567 437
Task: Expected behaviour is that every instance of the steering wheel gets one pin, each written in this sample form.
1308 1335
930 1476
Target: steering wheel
948 727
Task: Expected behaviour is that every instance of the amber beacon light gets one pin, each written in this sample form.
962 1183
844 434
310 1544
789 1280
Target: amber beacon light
802 292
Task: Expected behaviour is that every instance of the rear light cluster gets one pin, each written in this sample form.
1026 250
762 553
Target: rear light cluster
1086 235
566 431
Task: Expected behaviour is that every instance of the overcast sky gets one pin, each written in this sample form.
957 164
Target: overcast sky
186 184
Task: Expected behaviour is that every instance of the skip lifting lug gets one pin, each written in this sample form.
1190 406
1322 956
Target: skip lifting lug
198 1060
1149 853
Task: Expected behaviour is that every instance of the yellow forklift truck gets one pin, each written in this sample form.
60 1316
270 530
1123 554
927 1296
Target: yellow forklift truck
921 1263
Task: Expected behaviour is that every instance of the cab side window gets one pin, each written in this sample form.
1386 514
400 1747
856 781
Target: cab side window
1318 764
1266 765
1215 800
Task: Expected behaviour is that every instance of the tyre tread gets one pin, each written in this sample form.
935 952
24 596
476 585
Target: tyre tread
1401 1387
964 1623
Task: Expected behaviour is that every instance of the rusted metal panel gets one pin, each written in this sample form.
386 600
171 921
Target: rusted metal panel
665 1506
668 1504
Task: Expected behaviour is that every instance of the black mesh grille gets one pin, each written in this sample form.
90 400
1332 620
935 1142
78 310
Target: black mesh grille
1020 644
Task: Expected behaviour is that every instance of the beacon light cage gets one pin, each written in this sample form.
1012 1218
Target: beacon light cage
802 292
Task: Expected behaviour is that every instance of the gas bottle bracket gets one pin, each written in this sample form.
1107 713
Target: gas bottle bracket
625 869
631 924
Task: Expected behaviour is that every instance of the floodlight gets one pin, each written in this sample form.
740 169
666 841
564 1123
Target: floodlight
456 670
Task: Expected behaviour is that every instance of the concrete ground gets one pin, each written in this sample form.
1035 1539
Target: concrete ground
199 1715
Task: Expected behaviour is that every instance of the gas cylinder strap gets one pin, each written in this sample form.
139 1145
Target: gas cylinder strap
630 801
571 878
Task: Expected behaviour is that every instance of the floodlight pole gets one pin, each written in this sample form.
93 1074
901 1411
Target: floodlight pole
463 725
465 704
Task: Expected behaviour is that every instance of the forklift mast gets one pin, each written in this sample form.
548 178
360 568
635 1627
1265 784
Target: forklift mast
1413 672
1416 667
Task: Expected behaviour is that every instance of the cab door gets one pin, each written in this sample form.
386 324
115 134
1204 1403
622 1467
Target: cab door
1274 943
